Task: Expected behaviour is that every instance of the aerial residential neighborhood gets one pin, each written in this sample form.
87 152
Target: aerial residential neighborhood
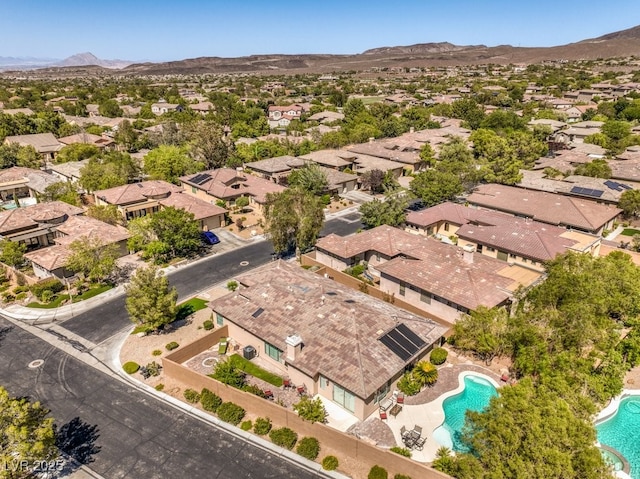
412 262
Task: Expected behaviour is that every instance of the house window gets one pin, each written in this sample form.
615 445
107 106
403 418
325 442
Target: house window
271 351
425 297
219 319
479 248
446 226
382 393
324 382
512 256
490 249
402 288
343 397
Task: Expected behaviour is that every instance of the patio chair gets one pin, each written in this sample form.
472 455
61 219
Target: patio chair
286 384
383 415
419 444
403 432
302 390
268 394
400 398
417 431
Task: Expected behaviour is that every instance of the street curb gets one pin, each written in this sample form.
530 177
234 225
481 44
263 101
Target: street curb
310 466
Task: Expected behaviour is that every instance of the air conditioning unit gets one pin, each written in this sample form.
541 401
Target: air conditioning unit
249 352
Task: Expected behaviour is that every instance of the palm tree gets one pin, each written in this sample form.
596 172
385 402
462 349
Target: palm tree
425 373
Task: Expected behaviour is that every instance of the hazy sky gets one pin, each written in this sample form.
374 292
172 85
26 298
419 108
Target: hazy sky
171 30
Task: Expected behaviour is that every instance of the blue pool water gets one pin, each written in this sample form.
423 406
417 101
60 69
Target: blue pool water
475 396
622 432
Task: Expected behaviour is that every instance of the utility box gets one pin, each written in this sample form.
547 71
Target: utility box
249 352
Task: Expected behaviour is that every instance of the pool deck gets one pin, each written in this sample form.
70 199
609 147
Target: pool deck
424 409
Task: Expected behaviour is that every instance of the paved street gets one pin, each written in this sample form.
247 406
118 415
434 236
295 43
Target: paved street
123 432
105 320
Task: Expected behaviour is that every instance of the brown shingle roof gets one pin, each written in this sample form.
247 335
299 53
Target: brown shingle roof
340 327
542 206
42 142
30 216
200 208
136 192
221 181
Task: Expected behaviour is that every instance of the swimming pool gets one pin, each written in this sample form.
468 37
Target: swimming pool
475 396
622 432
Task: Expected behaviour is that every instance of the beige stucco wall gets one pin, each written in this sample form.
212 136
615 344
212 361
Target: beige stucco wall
330 261
412 297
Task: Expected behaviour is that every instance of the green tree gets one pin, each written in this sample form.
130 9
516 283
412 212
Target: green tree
126 136
293 219
12 252
311 409
76 152
109 170
528 431
434 186
391 211
92 258
595 169
483 332
209 145
62 191
150 301
106 213
168 163
26 434
110 108
630 202
16 155
310 178
373 180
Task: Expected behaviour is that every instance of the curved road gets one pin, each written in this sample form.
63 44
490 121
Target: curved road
122 432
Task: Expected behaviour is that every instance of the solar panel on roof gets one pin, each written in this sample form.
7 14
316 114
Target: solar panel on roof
613 185
403 342
257 312
411 336
395 347
626 187
587 192
195 179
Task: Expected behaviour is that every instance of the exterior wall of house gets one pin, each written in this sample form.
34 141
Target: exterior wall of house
503 255
212 222
441 310
330 261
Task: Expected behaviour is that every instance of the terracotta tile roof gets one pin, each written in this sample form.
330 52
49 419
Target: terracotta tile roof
200 208
428 264
456 214
542 206
278 164
221 182
77 227
50 258
31 216
340 327
42 142
137 192
86 138
332 158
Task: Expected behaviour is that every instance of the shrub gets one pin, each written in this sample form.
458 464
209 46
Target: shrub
330 463
438 356
191 395
227 373
210 401
403 451
232 285
401 476
308 447
156 352
409 385
171 346
47 295
246 425
425 373
152 369
21 296
231 413
262 426
283 437
159 387
311 409
20 289
325 199
130 367
253 389
378 472
8 297
50 284
208 325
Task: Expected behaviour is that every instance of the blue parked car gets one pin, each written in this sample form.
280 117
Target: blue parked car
210 238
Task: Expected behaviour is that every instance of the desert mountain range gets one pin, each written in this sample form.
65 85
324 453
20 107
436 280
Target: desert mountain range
618 44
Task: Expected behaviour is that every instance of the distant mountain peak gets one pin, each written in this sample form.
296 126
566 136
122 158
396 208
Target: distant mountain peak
89 59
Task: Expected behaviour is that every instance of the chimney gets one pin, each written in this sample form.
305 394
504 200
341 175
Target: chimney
467 253
294 346
371 139
412 130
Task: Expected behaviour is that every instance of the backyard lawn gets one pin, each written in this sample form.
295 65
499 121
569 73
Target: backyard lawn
255 370
630 232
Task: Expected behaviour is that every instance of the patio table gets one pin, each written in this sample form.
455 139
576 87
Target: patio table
395 410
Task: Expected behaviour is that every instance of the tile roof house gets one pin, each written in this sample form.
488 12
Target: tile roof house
163 107
35 225
275 169
442 279
23 184
281 116
551 208
51 261
88 139
500 235
145 198
69 171
325 336
228 184
44 143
